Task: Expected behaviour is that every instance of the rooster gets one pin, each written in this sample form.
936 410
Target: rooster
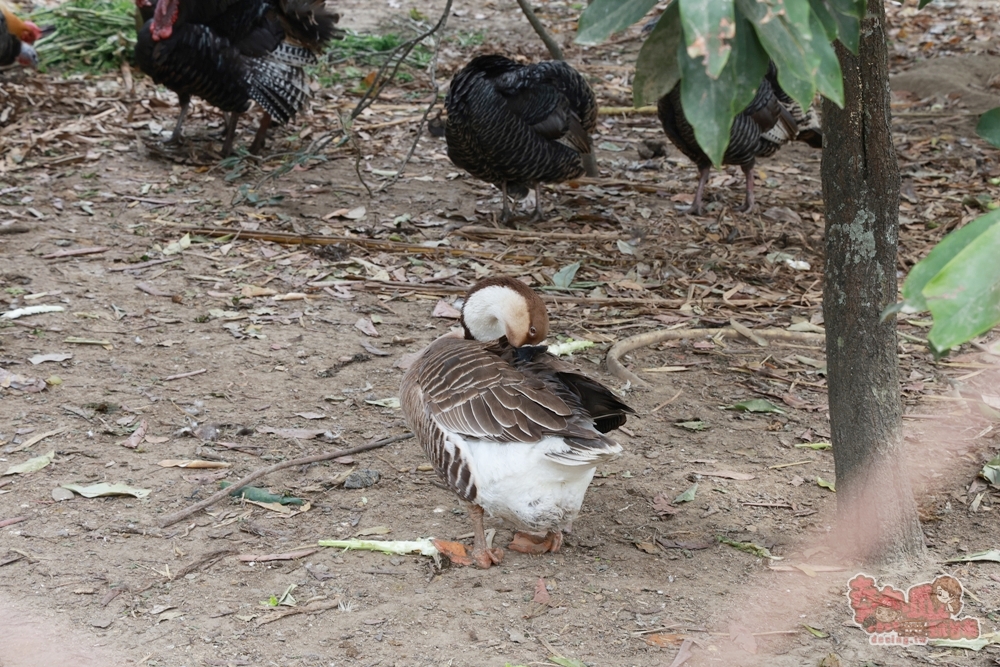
16 39
229 52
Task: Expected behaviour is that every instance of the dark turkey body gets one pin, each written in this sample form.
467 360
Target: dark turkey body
519 125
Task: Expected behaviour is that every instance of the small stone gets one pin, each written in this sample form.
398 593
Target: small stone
60 493
361 479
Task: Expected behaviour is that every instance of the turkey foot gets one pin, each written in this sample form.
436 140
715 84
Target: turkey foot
482 555
534 543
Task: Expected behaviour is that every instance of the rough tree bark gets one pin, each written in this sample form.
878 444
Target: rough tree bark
877 516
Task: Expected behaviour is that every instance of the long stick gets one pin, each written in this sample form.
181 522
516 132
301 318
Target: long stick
550 43
180 515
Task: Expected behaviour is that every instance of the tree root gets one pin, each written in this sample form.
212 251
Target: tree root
619 349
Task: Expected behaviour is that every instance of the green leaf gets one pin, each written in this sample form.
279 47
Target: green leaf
815 445
657 70
830 80
964 297
688 495
825 16
848 15
564 276
756 405
565 662
711 104
815 632
784 31
991 472
826 485
696 425
259 495
989 127
709 27
605 17
924 3
748 547
31 465
943 253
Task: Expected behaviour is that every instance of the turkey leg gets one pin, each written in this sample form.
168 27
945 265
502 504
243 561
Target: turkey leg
231 122
482 555
695 208
258 140
175 136
748 203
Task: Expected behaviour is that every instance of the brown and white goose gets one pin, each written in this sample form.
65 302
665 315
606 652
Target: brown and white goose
511 429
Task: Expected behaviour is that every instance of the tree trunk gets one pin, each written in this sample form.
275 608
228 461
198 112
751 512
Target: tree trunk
877 517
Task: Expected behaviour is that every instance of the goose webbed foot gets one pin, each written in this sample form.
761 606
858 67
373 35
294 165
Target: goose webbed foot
536 543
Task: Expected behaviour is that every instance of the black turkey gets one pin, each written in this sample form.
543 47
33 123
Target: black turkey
229 52
518 126
770 121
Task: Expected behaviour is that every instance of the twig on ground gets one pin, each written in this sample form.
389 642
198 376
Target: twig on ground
619 349
546 38
435 88
180 515
381 81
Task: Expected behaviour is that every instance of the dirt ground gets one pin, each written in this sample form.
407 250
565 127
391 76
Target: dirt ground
248 351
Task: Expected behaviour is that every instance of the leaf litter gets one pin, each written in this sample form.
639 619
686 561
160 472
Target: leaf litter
632 268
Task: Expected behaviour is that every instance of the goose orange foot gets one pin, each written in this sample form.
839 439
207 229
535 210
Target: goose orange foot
534 543
486 558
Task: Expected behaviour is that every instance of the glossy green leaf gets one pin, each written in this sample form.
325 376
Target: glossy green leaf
848 15
826 19
709 29
711 104
989 127
829 79
924 3
964 297
657 70
788 43
826 484
603 18
941 255
260 495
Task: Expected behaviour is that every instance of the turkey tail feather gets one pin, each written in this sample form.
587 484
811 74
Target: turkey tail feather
310 22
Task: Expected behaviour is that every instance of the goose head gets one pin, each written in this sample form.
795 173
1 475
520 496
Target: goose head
505 306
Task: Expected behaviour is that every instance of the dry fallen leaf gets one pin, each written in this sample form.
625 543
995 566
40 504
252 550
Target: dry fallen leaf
726 474
454 551
648 547
181 463
138 434
541 592
662 506
445 309
365 326
665 639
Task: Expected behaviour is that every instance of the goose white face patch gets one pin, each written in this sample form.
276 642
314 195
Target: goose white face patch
491 311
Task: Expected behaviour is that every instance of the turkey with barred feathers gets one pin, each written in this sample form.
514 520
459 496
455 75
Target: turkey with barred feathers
518 126
229 52
771 120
